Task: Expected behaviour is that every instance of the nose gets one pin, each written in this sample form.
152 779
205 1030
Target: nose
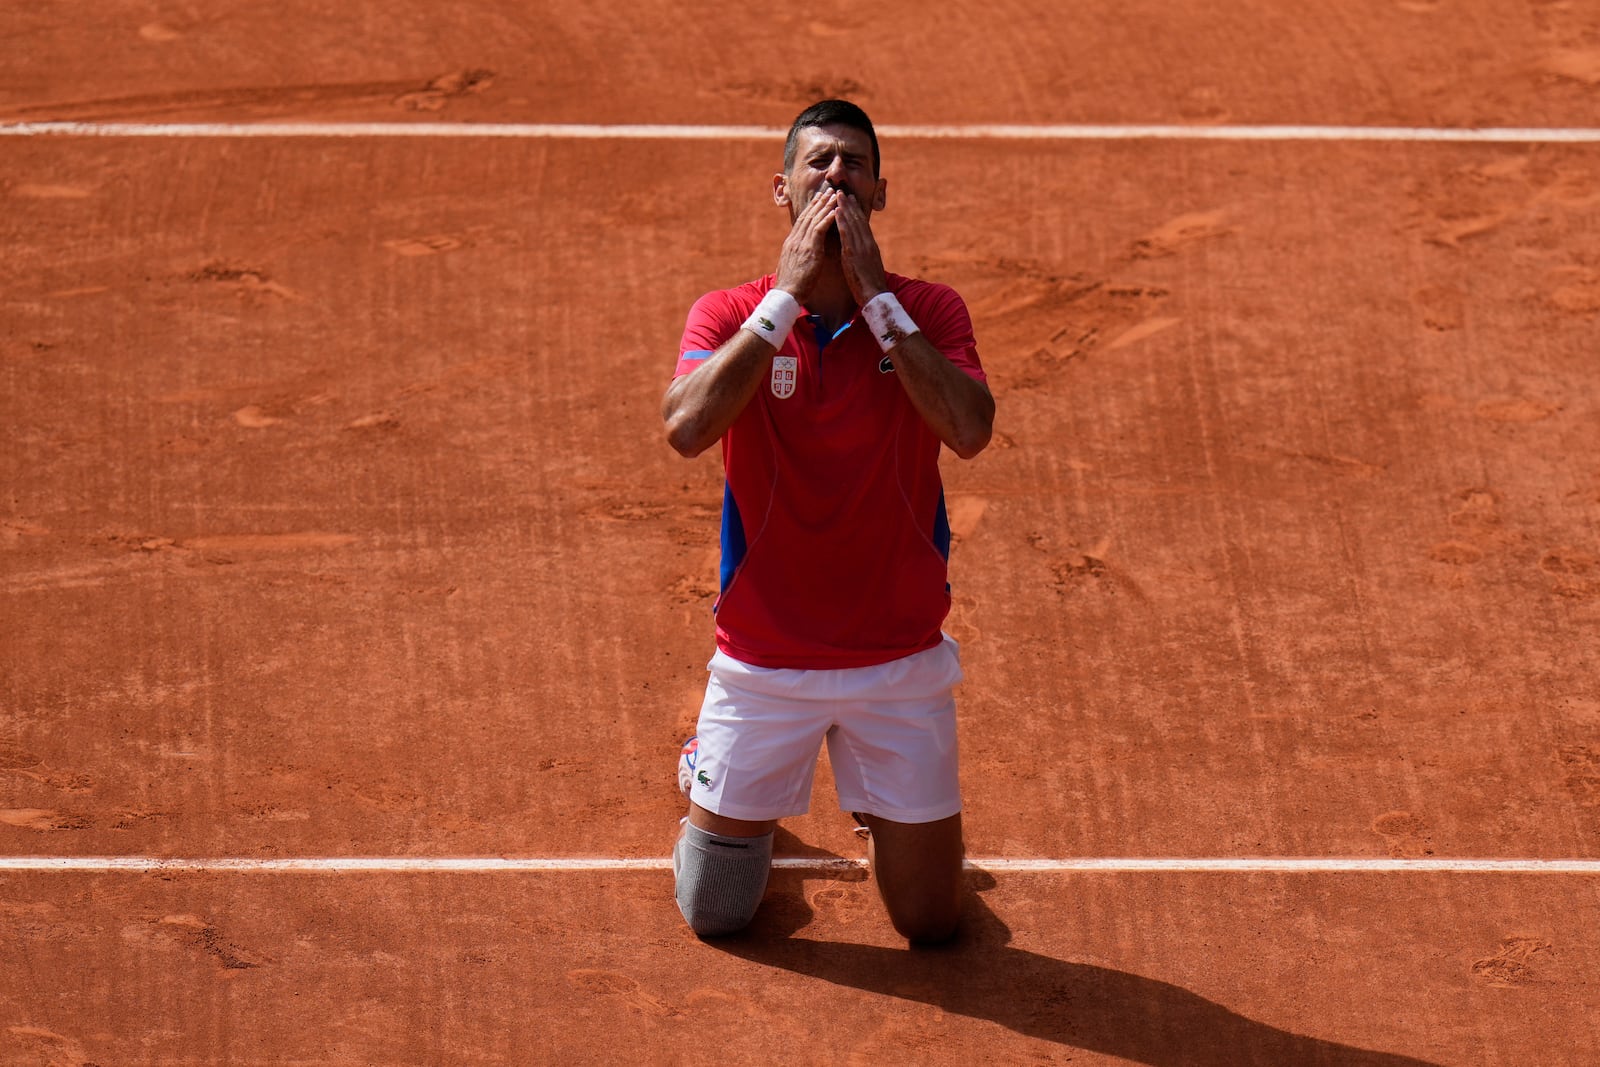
835 173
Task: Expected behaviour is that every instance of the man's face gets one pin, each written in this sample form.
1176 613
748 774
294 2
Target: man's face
836 156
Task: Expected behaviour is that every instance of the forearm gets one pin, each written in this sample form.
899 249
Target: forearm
700 406
957 407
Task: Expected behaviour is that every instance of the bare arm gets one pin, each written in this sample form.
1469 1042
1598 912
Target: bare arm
700 406
957 407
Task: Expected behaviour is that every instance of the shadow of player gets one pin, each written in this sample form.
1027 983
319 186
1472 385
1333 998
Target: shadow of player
1077 1004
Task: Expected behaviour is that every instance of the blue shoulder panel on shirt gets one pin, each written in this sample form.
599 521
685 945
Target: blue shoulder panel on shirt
695 356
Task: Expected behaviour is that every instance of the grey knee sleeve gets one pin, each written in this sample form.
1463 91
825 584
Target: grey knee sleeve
720 880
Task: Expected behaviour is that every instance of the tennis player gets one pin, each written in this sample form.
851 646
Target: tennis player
831 385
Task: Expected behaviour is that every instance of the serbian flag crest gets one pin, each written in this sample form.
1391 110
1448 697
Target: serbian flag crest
785 369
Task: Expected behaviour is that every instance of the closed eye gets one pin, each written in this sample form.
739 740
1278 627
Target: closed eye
824 162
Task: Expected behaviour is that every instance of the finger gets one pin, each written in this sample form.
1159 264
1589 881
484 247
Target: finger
849 231
822 201
820 223
808 232
827 205
850 208
853 229
813 215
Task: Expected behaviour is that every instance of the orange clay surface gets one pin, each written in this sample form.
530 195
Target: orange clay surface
336 520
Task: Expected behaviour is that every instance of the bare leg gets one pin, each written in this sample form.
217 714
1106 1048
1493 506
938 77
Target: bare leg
918 868
712 823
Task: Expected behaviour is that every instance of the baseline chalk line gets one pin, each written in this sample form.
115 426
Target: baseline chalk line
497 864
977 131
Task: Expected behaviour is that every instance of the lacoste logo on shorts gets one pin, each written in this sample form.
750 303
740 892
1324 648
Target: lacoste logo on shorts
785 369
702 779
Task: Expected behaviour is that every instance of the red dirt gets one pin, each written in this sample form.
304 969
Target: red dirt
335 519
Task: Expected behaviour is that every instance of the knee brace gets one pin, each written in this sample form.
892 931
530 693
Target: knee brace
720 880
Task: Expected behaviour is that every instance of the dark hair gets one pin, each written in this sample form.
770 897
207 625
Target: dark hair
830 113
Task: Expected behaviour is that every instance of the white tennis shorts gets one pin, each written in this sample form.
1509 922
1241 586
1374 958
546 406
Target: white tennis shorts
890 728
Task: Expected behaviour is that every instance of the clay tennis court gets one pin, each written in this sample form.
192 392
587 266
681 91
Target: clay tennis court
354 607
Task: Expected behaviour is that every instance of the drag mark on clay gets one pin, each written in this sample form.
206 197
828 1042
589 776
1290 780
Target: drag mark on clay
786 92
242 280
1091 570
273 412
610 983
14 757
842 904
31 191
1175 234
16 760
1479 510
964 514
1406 835
1441 307
197 933
431 245
259 101
446 87
1055 318
159 32
1332 460
1475 515
378 420
1577 290
1469 202
1453 232
253 417
1519 409
389 799
12 531
1573 572
42 820
1455 553
309 541
1147 328
48 1048
1512 965
1575 64
1567 562
697 588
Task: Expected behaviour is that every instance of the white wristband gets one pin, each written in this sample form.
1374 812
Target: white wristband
774 317
889 321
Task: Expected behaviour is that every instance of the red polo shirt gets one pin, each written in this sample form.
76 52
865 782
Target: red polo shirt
835 541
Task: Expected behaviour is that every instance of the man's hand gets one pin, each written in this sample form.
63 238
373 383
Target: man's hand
858 252
805 249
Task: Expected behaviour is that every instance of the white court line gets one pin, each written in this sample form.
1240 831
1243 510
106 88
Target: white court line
1086 865
589 131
